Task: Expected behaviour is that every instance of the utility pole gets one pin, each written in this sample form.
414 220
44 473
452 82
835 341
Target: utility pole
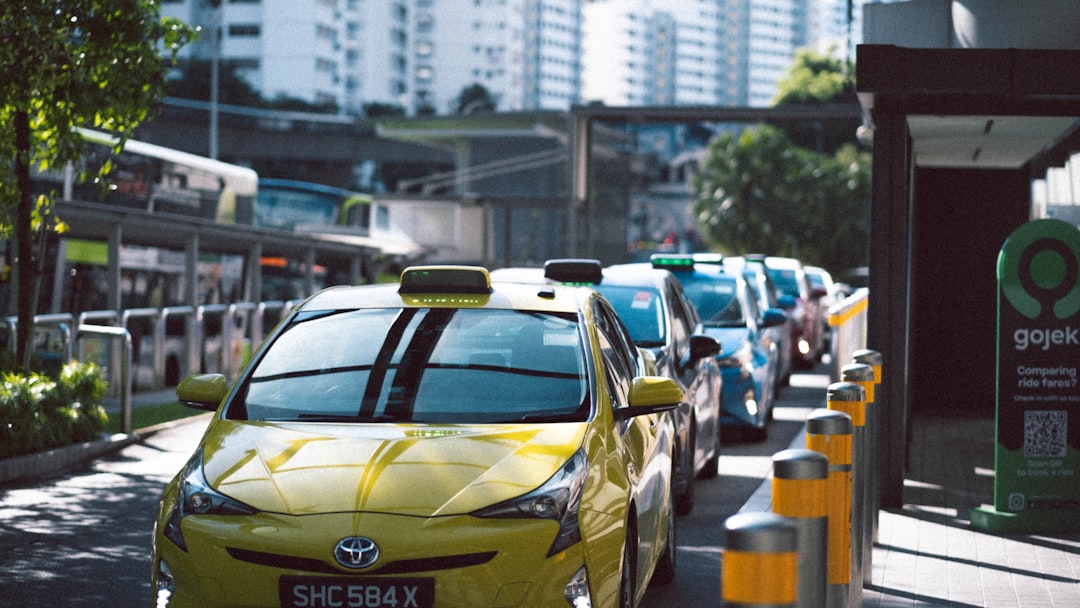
215 60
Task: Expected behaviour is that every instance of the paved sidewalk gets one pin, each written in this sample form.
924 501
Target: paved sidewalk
929 555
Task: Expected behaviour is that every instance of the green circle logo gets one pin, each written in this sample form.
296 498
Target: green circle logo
1038 269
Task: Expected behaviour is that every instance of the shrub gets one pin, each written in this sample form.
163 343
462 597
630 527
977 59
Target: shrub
39 413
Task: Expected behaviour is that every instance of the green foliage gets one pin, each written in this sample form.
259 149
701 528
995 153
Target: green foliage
40 413
816 78
194 83
72 63
759 193
68 64
801 191
475 99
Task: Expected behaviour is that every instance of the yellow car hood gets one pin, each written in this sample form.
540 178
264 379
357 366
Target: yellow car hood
420 470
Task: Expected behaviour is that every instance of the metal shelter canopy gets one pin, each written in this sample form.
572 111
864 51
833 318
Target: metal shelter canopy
962 116
122 226
582 119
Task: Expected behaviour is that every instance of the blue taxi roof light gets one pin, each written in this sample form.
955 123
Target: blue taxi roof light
445 279
674 263
575 271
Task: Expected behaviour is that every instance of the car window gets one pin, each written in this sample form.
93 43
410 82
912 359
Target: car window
619 354
682 322
787 281
641 310
716 301
420 365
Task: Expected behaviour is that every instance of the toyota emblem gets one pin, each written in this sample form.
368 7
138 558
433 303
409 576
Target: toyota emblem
356 552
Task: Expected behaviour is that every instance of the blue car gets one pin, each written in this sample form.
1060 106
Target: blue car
747 358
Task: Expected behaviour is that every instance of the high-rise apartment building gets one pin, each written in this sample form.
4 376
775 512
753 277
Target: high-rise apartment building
529 54
652 52
526 53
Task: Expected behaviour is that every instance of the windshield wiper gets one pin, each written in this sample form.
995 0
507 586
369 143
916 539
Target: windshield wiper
565 417
341 418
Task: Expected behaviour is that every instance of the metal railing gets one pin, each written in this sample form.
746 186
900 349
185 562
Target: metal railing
165 344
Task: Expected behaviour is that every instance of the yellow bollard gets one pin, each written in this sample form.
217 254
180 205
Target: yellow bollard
863 375
798 493
829 432
850 398
874 359
759 563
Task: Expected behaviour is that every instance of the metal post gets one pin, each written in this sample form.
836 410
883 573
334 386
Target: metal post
125 365
863 375
829 432
759 565
850 398
798 492
873 359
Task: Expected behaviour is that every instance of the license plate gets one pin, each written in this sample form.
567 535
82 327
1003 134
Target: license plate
355 592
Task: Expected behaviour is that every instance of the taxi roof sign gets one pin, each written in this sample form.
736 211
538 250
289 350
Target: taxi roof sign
672 262
574 271
445 279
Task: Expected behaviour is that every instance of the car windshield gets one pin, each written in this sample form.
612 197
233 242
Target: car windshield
640 310
438 365
715 301
786 281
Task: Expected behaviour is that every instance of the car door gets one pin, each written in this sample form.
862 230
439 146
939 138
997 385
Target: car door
645 439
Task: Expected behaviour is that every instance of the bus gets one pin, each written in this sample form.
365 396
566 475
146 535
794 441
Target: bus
295 205
157 179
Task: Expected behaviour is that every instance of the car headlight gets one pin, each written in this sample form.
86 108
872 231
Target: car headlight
195 496
557 499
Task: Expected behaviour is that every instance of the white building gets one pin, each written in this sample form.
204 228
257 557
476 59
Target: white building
529 54
652 52
526 53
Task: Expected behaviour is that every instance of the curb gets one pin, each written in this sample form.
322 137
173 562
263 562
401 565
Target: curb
39 465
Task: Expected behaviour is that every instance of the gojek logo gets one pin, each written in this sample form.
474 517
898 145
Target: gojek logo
1038 270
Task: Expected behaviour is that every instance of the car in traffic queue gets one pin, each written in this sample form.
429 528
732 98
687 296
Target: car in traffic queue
444 441
802 303
747 359
766 293
662 322
821 281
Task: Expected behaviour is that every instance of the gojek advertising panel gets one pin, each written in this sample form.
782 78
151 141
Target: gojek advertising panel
1037 455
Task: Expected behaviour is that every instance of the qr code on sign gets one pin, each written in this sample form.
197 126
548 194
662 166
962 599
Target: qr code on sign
1044 432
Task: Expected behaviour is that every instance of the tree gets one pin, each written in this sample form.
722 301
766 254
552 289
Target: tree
759 193
800 191
194 83
475 99
67 64
815 78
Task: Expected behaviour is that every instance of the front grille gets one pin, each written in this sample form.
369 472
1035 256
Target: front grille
408 566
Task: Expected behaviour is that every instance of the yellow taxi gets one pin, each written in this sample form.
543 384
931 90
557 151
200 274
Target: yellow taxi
445 441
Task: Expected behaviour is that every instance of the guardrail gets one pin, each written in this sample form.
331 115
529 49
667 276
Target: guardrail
847 329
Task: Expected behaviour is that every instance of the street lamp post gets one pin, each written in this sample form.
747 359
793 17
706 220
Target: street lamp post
215 60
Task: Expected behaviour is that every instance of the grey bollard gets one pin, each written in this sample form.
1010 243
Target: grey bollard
829 432
863 375
759 561
873 358
850 398
798 493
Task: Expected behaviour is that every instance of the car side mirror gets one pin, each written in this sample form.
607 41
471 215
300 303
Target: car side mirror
702 346
651 395
202 391
773 317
